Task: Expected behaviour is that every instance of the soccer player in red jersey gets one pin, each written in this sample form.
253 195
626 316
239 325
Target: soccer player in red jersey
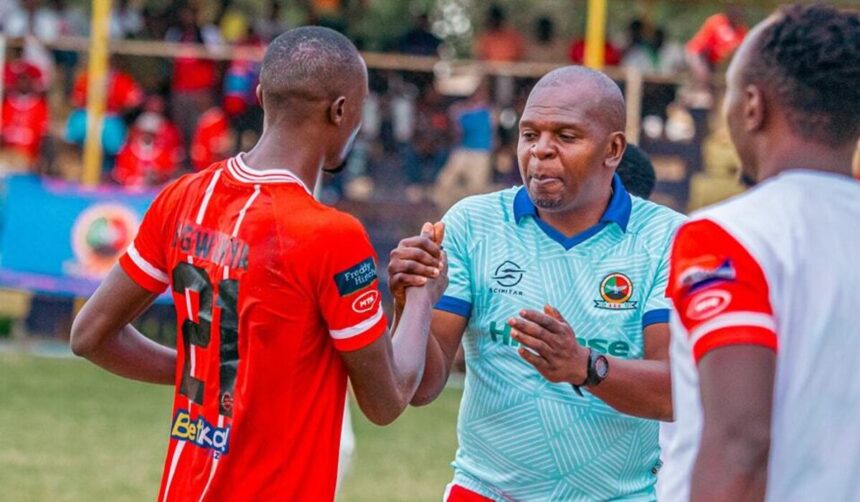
276 297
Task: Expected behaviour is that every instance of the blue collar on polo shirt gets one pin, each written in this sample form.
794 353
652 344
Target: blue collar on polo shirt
618 212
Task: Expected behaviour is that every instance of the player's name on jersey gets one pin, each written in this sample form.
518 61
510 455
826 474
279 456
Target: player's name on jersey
211 245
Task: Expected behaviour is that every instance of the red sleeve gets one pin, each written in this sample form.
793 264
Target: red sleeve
145 260
79 92
719 290
348 287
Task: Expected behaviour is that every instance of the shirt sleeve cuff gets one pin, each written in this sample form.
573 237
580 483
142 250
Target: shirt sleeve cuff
453 305
655 316
360 335
145 279
725 337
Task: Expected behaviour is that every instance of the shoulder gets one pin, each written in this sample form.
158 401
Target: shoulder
653 221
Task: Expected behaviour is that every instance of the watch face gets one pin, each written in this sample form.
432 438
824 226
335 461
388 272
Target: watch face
601 367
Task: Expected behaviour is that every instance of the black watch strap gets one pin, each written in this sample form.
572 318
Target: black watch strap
576 388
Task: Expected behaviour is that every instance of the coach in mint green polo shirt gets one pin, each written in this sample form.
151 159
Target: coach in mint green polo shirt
555 410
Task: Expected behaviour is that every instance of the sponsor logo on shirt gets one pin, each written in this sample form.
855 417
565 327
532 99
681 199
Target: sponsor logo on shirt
708 304
616 289
201 433
365 302
706 271
501 333
507 275
356 277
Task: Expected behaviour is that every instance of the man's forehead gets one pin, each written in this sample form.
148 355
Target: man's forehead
560 104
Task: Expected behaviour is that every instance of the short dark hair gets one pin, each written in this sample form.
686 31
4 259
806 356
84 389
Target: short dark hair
809 58
637 172
310 62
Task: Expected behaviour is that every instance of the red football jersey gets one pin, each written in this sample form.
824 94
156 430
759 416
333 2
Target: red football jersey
268 285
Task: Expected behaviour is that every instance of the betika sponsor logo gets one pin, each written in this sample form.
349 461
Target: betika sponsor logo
200 432
501 333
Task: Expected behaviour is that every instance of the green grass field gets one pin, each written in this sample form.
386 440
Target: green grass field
71 432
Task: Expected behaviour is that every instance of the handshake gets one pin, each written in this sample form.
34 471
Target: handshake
418 265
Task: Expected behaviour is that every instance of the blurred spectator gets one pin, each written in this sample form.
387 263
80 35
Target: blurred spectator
670 54
419 40
468 170
639 53
72 22
498 41
232 20
124 97
126 19
272 24
611 54
240 92
637 172
431 141
715 42
545 46
25 111
211 141
151 155
31 18
194 78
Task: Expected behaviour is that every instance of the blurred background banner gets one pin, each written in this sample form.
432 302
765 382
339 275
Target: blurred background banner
62 238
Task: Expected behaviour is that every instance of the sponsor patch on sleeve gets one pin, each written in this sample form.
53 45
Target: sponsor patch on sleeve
706 271
355 278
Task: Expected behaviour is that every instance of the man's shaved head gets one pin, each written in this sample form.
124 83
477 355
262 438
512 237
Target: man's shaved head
603 93
311 64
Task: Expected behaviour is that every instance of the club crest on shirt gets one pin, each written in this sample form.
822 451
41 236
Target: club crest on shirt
616 289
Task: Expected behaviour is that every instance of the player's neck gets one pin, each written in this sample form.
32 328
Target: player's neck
805 155
579 218
287 151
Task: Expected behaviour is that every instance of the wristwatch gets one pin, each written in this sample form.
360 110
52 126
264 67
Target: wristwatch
596 372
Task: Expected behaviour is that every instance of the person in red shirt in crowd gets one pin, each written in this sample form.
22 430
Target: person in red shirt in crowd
151 155
193 79
25 111
611 54
715 41
276 295
212 139
124 96
499 42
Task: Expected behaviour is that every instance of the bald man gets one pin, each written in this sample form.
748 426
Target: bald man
557 291
276 297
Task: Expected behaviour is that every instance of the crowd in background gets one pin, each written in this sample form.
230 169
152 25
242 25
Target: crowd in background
169 116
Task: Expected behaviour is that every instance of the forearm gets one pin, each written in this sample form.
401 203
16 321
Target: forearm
730 467
641 388
409 344
437 367
132 355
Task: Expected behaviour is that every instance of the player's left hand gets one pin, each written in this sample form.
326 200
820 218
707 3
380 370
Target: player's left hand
549 344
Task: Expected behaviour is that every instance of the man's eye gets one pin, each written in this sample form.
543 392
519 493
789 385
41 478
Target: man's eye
528 135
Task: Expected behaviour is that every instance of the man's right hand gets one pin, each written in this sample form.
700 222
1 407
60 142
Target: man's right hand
419 261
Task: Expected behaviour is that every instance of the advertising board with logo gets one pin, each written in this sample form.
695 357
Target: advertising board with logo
61 238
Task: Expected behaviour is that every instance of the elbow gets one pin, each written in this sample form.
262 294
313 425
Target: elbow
383 417
81 342
423 397
745 446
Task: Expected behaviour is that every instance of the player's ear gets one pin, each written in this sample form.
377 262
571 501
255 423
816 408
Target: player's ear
615 149
259 93
337 110
755 108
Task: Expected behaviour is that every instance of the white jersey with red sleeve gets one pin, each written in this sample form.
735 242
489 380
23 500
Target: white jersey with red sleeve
775 267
